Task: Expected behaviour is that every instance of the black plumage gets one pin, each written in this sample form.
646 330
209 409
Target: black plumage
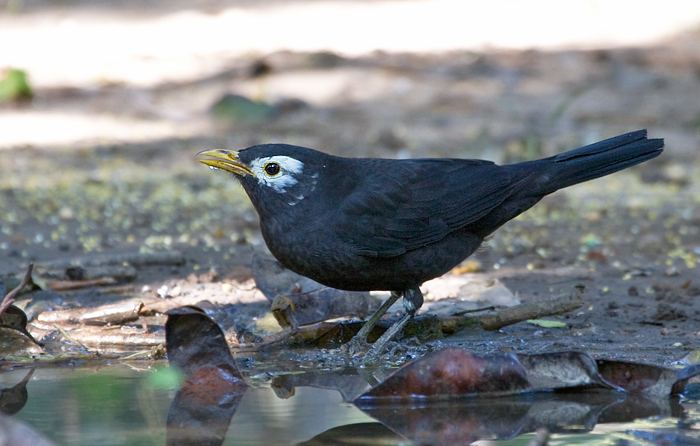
382 224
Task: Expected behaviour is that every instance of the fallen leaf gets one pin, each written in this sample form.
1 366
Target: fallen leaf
237 108
15 319
451 373
14 85
193 341
646 379
456 373
562 370
546 323
213 387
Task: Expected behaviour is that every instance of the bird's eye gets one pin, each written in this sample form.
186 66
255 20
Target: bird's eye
272 169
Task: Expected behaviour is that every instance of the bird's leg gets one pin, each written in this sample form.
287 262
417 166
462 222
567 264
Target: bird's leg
412 301
360 339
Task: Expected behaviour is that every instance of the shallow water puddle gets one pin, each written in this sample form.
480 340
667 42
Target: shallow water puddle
120 404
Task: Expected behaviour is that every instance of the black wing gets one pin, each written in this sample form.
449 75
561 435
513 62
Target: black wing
403 205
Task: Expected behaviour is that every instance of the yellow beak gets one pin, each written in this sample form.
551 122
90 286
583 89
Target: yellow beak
225 160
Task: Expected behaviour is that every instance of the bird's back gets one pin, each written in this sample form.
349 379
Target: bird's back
392 224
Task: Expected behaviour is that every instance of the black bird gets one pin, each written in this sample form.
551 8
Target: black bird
381 224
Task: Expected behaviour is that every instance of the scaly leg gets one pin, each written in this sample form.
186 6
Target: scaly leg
412 301
359 341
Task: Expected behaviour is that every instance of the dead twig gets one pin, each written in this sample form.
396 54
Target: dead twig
67 285
531 310
475 310
9 298
111 314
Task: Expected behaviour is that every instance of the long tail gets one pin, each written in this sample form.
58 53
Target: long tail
596 160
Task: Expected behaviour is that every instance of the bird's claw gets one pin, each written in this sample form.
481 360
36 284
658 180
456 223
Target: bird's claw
356 346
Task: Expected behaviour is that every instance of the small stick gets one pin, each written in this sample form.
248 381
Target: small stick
474 310
67 285
531 310
9 298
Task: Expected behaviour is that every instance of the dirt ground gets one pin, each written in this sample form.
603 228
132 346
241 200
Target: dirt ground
633 239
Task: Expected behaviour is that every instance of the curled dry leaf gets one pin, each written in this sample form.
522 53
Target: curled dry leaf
451 373
647 379
9 298
15 319
456 373
194 341
213 386
563 370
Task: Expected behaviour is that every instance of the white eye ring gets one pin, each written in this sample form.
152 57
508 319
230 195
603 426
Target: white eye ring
289 170
272 169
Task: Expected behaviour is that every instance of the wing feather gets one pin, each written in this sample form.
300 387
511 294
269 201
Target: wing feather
404 205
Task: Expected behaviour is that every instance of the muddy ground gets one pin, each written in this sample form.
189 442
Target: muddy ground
633 239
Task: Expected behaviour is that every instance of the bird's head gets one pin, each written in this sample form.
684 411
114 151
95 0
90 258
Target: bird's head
273 175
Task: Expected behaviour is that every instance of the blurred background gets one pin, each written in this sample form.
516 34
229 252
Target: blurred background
104 103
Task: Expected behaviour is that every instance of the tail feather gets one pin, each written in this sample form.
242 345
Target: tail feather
538 178
597 160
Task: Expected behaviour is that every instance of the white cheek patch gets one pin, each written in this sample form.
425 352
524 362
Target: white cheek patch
289 168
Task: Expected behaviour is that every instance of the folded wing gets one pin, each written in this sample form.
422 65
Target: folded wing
413 203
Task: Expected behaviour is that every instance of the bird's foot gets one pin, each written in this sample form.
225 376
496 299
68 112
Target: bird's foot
356 346
375 352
